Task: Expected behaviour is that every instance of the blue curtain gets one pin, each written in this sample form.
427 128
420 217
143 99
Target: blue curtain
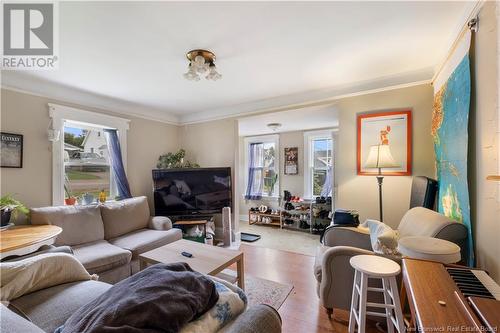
115 158
328 185
255 169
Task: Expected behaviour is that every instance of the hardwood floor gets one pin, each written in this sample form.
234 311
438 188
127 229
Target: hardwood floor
301 312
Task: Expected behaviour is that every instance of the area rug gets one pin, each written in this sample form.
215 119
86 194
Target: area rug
262 291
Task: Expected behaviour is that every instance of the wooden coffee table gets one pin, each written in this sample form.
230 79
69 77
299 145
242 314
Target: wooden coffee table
207 259
21 240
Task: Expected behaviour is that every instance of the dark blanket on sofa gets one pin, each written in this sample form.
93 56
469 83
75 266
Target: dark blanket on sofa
161 298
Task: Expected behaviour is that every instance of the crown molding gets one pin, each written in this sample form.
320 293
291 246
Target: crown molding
313 98
64 94
14 81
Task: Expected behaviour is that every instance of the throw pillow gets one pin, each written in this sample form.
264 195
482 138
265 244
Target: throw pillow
383 238
232 302
39 272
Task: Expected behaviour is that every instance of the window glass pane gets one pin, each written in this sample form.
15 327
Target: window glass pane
86 162
270 179
321 153
319 177
269 155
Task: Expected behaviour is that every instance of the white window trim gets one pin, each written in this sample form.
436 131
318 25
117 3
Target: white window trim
273 138
59 114
308 137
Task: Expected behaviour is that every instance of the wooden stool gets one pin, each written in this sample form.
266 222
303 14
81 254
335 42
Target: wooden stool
371 266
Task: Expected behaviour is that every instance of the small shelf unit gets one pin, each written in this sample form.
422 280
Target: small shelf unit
255 217
302 217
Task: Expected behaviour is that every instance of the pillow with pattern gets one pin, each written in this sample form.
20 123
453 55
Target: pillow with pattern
232 302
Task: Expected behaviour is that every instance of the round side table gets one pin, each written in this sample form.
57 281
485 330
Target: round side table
21 240
429 248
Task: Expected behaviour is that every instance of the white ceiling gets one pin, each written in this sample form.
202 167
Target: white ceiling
129 56
302 119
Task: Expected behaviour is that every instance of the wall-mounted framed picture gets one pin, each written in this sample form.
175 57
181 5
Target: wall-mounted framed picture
11 155
391 131
292 161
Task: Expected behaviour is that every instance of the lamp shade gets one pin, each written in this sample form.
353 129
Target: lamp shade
380 157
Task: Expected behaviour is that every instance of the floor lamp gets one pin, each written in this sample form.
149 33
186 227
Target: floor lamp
380 157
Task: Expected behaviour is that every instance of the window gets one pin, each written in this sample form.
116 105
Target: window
77 165
84 170
319 160
262 161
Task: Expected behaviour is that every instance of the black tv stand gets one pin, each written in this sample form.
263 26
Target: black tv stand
191 217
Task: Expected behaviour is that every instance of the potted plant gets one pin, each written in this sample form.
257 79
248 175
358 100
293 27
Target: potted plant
70 199
274 179
11 207
174 161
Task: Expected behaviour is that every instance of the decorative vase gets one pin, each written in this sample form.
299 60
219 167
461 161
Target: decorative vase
70 201
6 213
87 199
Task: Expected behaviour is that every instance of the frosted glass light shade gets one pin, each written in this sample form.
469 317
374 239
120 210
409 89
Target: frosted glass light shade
380 157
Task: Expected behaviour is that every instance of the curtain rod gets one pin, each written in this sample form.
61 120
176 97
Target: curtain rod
471 24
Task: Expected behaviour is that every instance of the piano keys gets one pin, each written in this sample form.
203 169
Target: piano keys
450 298
474 282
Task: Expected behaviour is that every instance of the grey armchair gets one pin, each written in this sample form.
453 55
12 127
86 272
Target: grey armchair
335 275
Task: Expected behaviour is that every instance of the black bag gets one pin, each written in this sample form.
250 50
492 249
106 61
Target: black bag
346 218
342 218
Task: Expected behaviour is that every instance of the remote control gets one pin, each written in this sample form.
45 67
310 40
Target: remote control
187 254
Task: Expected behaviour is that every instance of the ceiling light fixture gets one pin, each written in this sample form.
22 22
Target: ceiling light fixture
274 126
200 63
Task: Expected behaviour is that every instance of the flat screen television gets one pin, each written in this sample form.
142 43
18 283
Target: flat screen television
191 191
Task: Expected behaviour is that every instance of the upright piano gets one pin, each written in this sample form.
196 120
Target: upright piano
451 298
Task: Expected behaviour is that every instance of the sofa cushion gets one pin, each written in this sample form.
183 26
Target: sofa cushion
80 224
39 272
49 308
12 322
101 256
144 240
124 216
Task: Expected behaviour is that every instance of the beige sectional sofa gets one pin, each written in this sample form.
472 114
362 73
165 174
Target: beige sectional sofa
45 310
108 238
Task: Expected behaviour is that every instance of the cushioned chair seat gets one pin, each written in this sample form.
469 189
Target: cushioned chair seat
49 308
144 240
101 256
428 248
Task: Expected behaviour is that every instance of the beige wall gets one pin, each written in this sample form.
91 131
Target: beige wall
484 149
28 115
361 192
292 183
210 144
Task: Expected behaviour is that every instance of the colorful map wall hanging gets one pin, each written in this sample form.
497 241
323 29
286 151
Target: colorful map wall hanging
450 121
